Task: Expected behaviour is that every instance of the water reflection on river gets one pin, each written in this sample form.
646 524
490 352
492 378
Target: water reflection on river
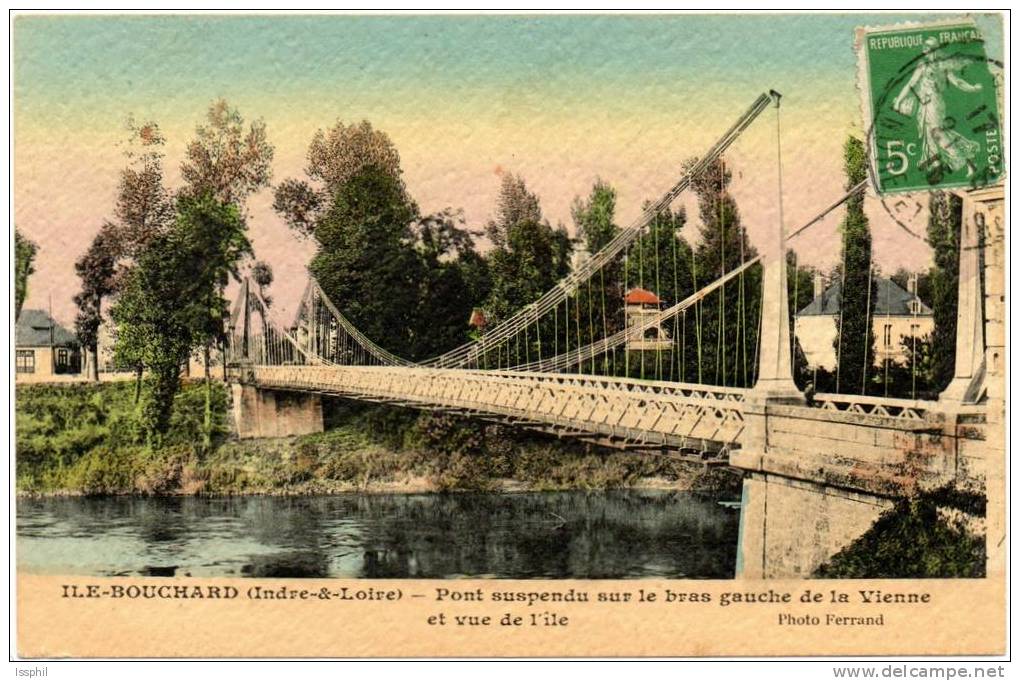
549 535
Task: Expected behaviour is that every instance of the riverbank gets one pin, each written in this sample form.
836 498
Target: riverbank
83 440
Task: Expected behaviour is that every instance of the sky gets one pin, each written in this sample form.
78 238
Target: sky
559 100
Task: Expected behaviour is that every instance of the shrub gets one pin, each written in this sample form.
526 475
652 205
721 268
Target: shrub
163 470
105 470
911 540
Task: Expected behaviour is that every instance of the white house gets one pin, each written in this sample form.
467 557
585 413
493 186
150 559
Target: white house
897 313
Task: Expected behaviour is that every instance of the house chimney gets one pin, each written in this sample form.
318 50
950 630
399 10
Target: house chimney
912 284
819 284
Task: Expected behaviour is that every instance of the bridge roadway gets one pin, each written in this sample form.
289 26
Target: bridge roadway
617 412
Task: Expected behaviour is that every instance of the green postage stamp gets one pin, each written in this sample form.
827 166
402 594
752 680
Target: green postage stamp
931 105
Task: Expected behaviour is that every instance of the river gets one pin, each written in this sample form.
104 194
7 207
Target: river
615 534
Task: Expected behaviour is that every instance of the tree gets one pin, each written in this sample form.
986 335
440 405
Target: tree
24 256
453 282
172 299
215 233
226 163
913 376
335 156
529 256
144 207
600 299
533 259
338 154
155 315
262 275
96 269
944 224
143 210
299 205
726 324
366 261
408 282
516 204
227 160
855 337
593 217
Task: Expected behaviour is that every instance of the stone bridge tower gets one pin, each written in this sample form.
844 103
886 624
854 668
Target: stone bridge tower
818 478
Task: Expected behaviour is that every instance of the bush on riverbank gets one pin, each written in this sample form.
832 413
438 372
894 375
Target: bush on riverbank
390 448
84 439
930 536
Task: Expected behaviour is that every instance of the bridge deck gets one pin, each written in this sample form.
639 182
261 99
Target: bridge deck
616 411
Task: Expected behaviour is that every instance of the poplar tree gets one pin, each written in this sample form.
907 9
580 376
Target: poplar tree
529 255
727 321
944 225
855 336
601 297
515 205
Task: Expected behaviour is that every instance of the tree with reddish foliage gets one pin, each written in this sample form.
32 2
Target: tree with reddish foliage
226 159
144 211
96 269
144 207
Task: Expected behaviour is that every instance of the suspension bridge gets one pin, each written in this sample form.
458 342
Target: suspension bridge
583 362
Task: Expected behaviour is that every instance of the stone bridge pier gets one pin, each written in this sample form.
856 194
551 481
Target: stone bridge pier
819 478
260 412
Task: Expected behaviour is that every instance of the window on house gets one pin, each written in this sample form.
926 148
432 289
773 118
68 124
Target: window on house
63 358
25 362
915 330
887 335
915 306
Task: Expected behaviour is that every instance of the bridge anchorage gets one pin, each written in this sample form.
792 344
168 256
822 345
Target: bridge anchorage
819 470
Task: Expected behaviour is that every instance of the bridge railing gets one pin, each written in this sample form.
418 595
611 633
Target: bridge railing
891 407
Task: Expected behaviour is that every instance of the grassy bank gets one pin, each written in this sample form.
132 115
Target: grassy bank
84 439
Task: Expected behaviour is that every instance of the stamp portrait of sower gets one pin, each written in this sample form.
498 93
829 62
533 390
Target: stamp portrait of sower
931 103
924 96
